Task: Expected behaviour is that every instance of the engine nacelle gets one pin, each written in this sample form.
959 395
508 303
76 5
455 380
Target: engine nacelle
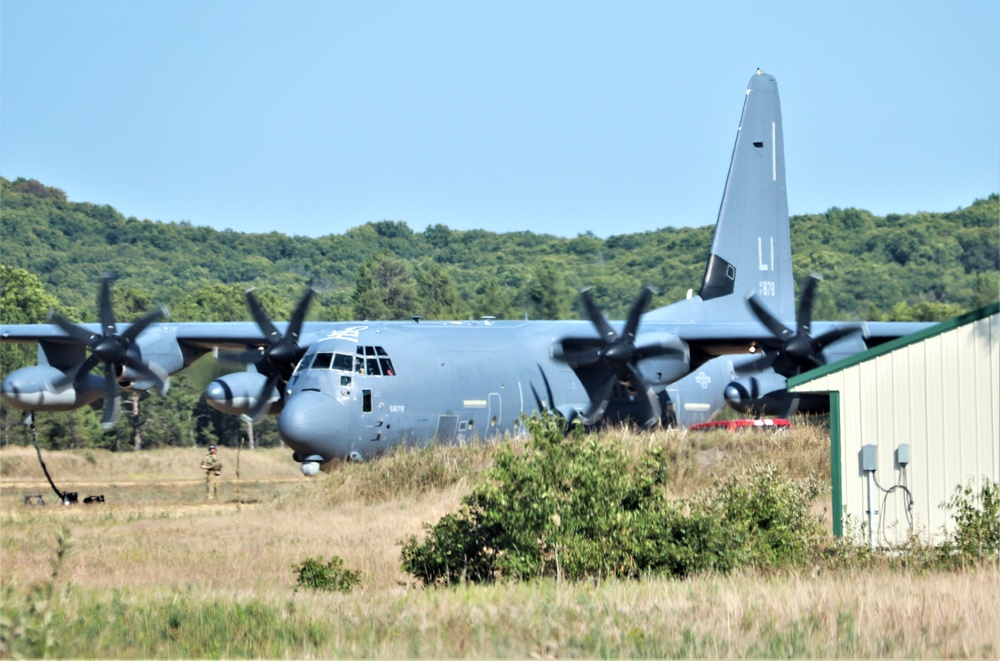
766 394
763 394
668 368
158 348
31 389
237 393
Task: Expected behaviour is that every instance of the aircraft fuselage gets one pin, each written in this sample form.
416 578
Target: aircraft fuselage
372 386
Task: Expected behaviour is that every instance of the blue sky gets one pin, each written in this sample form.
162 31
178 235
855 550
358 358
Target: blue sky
311 118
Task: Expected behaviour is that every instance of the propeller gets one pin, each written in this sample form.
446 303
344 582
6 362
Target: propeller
112 350
794 351
620 355
278 358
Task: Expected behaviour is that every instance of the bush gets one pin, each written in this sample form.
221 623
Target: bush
573 507
332 576
977 521
767 520
975 538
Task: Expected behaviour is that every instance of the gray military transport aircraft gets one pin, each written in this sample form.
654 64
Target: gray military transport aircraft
350 390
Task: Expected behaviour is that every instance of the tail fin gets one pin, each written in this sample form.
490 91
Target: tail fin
751 248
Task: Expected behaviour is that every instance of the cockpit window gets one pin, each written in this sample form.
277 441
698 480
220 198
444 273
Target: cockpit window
328 360
376 362
342 361
322 361
368 360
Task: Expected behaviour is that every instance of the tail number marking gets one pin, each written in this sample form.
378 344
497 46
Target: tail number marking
761 264
767 288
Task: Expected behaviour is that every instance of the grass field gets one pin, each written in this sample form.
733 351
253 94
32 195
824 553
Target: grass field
156 571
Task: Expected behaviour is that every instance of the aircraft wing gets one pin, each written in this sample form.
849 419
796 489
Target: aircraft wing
38 332
710 340
879 332
195 334
201 335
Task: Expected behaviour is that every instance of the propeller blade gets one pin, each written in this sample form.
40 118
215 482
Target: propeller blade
263 399
112 350
632 323
804 320
70 377
605 330
799 350
599 403
65 380
539 403
106 310
298 316
656 350
248 357
757 365
546 404
652 411
582 343
78 333
580 358
263 321
112 405
149 371
768 319
141 324
619 354
832 336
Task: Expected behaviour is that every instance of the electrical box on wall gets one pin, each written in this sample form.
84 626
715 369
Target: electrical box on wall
903 455
868 458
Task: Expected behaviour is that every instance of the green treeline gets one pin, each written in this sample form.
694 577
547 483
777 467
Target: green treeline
925 266
386 269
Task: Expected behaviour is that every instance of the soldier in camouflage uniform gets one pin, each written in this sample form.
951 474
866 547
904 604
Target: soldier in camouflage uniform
212 466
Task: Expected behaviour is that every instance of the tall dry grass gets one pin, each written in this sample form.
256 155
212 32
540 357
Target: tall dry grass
156 571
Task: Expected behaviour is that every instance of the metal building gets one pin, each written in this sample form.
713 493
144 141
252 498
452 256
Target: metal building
910 422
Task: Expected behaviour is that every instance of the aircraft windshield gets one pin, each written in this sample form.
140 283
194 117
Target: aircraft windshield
370 361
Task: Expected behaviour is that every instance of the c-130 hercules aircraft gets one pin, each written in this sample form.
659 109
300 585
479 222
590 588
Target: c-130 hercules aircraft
350 390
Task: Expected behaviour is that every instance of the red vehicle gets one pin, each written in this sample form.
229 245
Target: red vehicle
771 424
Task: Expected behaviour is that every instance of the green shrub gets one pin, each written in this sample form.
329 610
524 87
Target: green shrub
977 521
331 576
975 538
574 507
767 520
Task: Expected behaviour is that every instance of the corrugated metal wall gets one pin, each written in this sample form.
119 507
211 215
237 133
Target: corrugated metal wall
940 395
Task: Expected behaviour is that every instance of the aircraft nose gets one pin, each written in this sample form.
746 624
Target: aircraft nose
312 423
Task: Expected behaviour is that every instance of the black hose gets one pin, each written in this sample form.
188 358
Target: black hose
34 438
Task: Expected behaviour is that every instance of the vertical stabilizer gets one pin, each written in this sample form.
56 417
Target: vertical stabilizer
751 248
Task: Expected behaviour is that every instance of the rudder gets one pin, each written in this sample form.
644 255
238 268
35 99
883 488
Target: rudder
751 247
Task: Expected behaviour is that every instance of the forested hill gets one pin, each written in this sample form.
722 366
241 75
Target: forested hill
925 265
